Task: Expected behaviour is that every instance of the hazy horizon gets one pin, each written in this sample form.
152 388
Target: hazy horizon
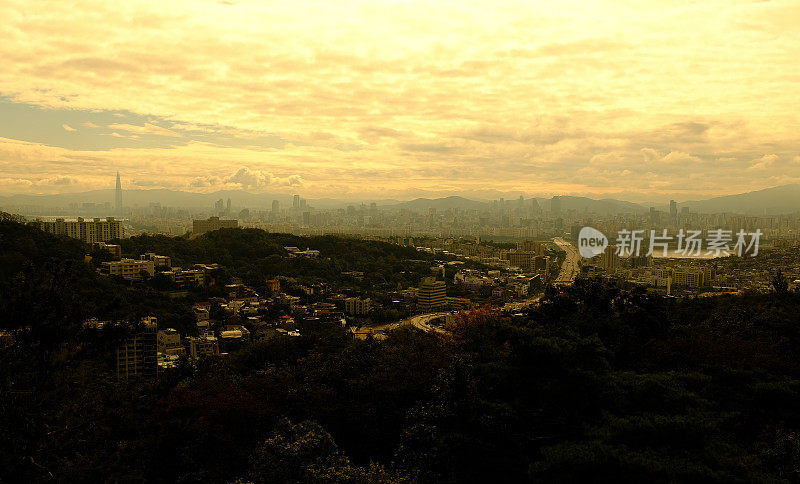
355 198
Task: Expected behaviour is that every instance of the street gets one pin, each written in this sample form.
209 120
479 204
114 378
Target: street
571 266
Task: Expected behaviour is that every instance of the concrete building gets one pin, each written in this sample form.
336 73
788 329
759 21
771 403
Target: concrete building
686 277
555 204
432 295
202 346
232 338
357 306
273 286
160 261
129 268
212 224
96 230
693 277
609 259
458 302
169 342
138 355
522 259
186 278
531 246
113 249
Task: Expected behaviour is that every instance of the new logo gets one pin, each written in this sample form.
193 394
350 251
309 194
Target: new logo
591 242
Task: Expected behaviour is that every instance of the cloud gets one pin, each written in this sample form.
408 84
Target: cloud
204 181
68 127
681 158
55 181
763 163
146 129
256 179
650 155
58 181
428 98
426 147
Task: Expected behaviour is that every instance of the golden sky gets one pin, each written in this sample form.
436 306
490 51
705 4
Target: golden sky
397 99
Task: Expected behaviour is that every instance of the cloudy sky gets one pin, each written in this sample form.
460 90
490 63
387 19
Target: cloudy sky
397 99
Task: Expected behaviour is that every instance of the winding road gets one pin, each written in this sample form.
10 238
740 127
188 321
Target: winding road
419 321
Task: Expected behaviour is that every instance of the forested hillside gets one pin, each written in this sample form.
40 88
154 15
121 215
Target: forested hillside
598 383
254 254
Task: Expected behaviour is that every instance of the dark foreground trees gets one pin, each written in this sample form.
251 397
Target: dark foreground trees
599 383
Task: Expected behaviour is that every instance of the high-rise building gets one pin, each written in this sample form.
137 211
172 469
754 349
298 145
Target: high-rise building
213 223
137 356
275 206
118 198
296 202
531 246
655 217
609 259
96 230
357 306
555 204
673 210
522 259
535 208
432 294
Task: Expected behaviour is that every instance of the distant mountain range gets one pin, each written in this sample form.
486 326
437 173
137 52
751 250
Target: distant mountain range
441 204
606 205
782 199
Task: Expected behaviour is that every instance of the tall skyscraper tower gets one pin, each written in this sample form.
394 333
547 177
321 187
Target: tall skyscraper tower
555 204
118 197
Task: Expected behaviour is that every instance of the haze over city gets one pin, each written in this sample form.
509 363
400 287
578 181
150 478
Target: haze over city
397 100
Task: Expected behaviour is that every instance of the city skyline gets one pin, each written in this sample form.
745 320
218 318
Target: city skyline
779 198
403 99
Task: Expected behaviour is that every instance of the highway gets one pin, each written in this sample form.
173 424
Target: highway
516 306
569 271
419 321
571 266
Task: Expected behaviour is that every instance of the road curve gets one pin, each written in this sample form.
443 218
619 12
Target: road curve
419 321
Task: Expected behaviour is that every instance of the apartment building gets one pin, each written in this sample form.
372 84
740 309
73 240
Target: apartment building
137 356
88 231
130 269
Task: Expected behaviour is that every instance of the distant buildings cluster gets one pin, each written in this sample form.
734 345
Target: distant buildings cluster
212 223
